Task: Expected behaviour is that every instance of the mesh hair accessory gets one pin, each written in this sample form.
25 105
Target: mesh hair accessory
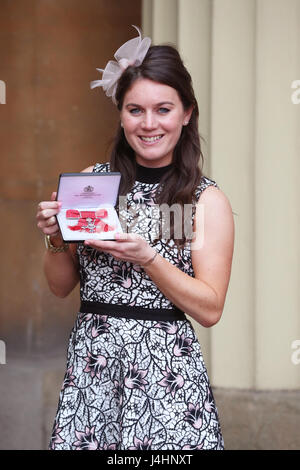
131 53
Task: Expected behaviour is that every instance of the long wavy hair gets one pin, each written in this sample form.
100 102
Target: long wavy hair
163 64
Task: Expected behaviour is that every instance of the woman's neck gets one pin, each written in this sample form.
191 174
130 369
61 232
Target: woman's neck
151 174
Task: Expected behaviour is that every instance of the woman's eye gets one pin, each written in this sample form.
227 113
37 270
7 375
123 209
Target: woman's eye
164 110
134 111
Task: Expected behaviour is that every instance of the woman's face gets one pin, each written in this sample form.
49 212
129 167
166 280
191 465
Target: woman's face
152 116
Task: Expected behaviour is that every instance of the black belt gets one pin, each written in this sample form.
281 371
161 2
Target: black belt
135 312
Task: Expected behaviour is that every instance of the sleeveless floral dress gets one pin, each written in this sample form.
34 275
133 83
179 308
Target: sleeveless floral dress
135 377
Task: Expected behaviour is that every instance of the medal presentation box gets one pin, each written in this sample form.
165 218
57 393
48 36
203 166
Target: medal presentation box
88 206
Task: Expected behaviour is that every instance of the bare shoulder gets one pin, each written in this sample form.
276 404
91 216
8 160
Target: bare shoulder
215 198
88 169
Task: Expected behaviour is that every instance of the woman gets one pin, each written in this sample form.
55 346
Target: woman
135 376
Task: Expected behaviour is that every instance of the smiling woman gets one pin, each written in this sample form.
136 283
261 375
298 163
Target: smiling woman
136 378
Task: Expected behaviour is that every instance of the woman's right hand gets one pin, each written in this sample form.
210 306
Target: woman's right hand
47 222
61 270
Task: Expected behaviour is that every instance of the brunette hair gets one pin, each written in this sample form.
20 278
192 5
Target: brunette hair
163 64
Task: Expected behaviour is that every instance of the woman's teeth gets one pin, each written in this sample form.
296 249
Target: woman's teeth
151 139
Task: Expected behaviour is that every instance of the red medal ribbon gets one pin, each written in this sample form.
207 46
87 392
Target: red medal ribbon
75 214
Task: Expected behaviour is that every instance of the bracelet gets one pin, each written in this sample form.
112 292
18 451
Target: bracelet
55 249
150 260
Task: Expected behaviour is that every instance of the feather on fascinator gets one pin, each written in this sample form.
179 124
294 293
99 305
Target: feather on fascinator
131 53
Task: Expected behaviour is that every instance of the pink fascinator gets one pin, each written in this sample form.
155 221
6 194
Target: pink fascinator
133 53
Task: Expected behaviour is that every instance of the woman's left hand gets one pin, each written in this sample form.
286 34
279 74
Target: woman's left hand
127 247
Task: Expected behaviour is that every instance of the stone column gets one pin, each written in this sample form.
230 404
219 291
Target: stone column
164 21
277 194
232 164
194 45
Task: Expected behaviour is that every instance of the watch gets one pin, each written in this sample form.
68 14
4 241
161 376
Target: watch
55 249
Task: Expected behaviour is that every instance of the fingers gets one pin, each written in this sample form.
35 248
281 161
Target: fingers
127 237
131 251
50 221
46 215
118 245
47 209
54 205
53 230
106 246
119 252
102 244
48 226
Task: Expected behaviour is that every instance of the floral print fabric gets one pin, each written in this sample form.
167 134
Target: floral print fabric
134 384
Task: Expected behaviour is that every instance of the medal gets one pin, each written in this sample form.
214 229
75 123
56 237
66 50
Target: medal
89 221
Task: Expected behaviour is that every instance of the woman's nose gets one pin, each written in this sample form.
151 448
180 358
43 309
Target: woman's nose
149 121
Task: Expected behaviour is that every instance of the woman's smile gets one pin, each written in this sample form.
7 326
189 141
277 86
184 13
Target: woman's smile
150 140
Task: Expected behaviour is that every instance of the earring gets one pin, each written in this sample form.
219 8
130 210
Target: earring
185 123
122 124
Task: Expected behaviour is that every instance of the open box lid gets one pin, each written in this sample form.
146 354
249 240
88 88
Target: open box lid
82 190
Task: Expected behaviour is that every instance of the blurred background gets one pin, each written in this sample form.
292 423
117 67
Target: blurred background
244 58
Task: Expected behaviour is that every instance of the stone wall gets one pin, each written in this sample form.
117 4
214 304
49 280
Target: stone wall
51 122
